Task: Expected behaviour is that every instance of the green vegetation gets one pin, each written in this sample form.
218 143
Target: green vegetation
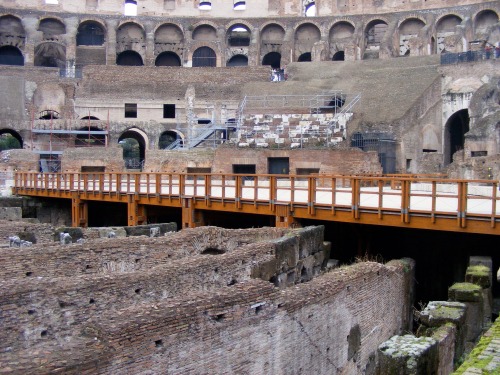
8 142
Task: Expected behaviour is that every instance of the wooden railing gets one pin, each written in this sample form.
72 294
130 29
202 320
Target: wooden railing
404 196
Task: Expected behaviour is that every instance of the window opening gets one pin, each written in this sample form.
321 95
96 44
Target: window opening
129 58
52 2
204 57
10 55
239 36
239 5
130 110
273 59
205 5
478 153
310 10
90 34
130 8
168 110
168 59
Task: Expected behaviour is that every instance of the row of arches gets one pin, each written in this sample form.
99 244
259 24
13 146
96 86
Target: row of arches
171 41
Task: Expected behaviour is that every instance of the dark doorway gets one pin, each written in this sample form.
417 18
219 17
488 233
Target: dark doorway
305 57
168 59
90 34
11 56
278 165
455 129
273 59
339 56
129 58
204 57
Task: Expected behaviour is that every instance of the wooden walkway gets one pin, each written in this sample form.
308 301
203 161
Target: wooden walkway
398 201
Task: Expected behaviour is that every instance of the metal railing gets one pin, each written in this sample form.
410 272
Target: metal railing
465 57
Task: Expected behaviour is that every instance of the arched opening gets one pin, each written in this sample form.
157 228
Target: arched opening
130 8
407 30
238 36
445 27
305 37
12 31
271 40
48 115
90 33
374 33
168 59
51 28
10 140
11 56
167 138
239 5
455 129
341 30
204 57
134 149
89 118
50 55
238 60
485 19
129 58
304 57
90 139
205 5
273 59
338 56
205 33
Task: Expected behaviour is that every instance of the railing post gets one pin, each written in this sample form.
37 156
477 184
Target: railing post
311 195
494 204
272 192
462 203
356 192
405 201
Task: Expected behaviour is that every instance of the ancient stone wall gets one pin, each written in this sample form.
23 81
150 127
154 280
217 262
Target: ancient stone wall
204 288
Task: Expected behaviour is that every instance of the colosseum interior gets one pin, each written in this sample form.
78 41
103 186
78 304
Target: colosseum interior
194 89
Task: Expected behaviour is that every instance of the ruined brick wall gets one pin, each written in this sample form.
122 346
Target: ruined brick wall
195 312
110 158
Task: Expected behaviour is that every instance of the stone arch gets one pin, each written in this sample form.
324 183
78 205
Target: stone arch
374 34
204 56
242 22
10 144
12 32
50 55
52 29
306 34
205 33
455 129
142 139
341 30
273 59
131 36
129 58
168 58
238 60
446 27
169 37
407 30
484 19
90 33
238 35
10 55
168 137
272 37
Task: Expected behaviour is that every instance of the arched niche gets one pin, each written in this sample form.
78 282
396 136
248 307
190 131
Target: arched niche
129 58
446 26
169 38
12 32
374 34
238 60
205 33
485 19
130 36
51 28
341 30
271 39
168 137
134 142
90 33
10 139
454 135
408 29
168 59
238 36
305 36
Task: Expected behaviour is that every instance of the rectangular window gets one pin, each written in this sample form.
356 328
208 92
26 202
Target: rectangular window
54 2
168 110
307 171
475 154
130 110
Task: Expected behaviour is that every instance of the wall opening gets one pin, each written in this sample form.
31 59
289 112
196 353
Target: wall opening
90 33
134 149
205 5
130 110
11 56
273 59
204 57
168 110
239 5
238 36
278 165
244 168
310 10
9 140
213 251
305 57
238 60
130 8
168 59
338 56
129 58
455 129
166 138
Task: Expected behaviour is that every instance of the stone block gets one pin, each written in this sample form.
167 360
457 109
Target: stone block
465 292
446 337
11 213
479 275
438 313
408 355
472 296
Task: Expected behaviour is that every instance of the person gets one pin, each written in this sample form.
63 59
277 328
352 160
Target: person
487 51
497 51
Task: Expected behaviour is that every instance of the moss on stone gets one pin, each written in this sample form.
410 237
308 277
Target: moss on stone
474 360
478 274
465 292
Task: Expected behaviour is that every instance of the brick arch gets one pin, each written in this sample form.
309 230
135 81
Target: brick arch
238 22
440 18
272 22
305 22
163 23
374 18
19 40
331 24
205 22
52 17
96 20
124 22
475 15
199 44
412 17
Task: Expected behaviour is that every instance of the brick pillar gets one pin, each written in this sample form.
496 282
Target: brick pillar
111 42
